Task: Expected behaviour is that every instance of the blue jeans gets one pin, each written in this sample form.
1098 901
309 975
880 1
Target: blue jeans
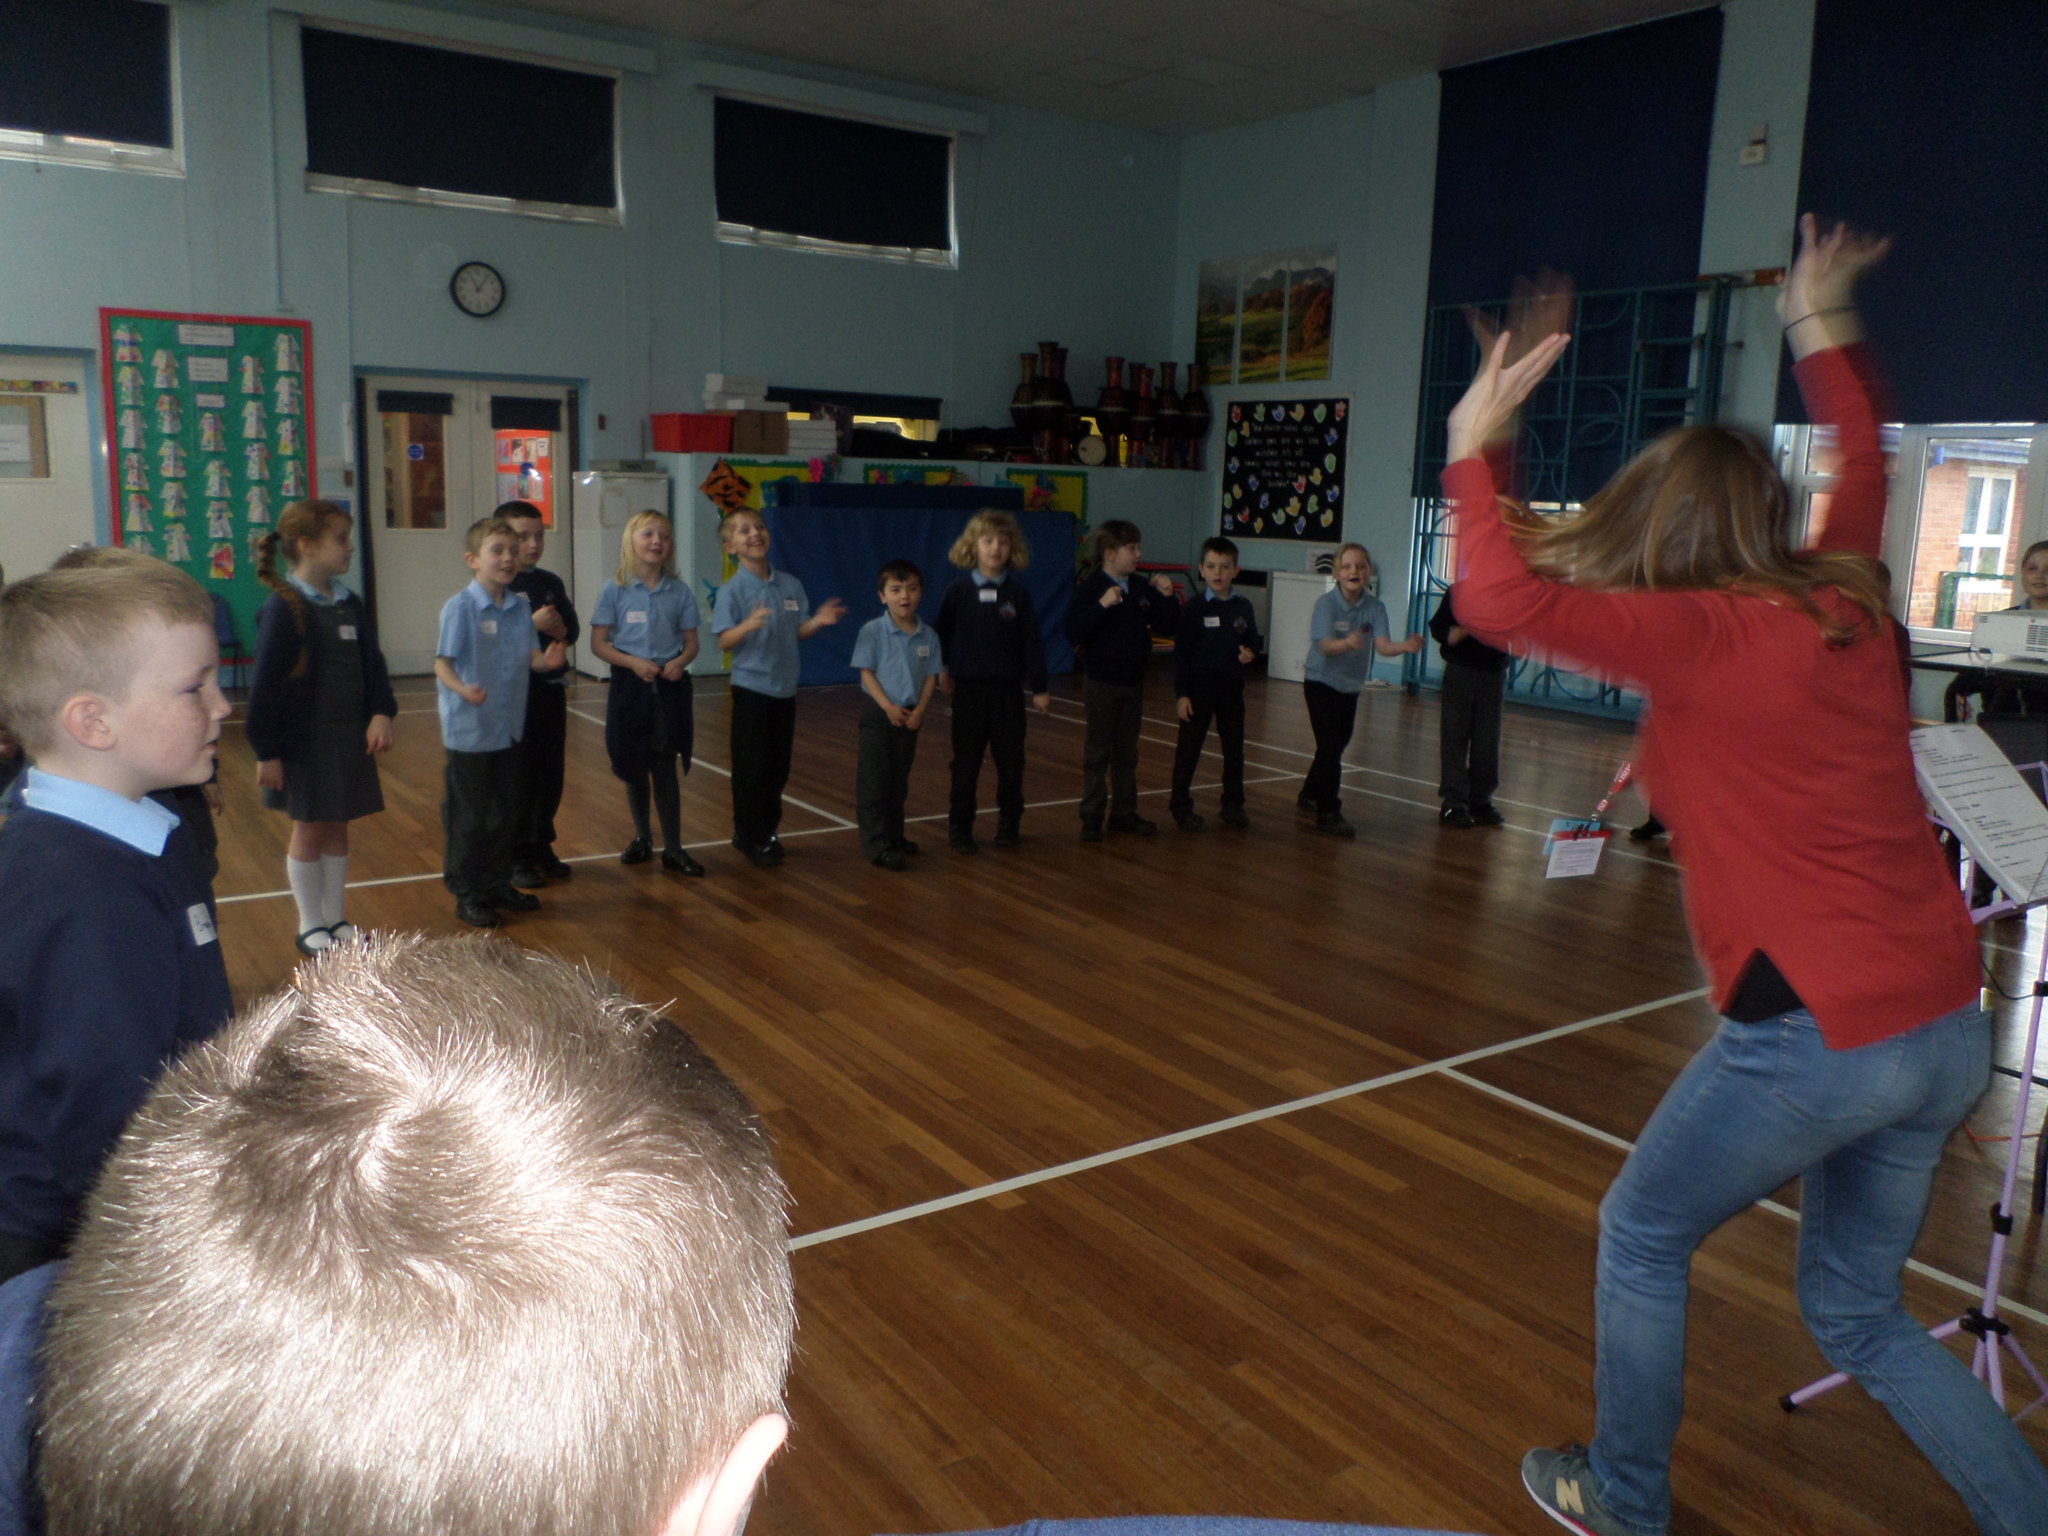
1863 1129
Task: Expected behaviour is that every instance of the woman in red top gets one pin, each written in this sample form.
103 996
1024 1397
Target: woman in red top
1835 944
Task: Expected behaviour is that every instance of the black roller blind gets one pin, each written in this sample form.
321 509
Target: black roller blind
438 118
93 69
832 178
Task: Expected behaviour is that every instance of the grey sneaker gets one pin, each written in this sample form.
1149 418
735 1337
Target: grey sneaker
1561 1483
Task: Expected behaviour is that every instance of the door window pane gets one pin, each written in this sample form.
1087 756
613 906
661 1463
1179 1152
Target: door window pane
525 462
415 469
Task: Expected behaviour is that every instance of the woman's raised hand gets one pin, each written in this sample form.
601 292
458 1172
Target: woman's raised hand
1825 272
1497 393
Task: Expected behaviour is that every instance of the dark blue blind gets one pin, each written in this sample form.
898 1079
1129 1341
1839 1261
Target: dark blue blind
1929 121
94 69
832 178
1589 156
439 118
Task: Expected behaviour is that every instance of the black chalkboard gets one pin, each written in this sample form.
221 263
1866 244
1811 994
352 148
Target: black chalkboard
1283 470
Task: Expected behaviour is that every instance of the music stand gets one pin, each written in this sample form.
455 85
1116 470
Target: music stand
1992 1333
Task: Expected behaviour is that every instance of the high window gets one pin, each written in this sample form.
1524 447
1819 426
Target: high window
846 185
89 82
390 118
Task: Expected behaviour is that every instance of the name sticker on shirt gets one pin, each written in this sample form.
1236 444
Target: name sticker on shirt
201 921
987 594
789 605
639 617
1342 627
346 631
489 626
1211 621
923 651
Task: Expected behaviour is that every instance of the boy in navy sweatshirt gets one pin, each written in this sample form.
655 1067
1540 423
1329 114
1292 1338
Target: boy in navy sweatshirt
109 963
1217 643
1111 624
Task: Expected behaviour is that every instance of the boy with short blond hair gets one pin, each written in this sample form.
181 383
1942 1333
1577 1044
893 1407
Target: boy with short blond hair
109 962
486 652
445 1237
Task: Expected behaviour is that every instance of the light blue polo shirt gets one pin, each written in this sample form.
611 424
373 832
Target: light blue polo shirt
766 660
491 644
648 622
335 593
1334 619
142 824
901 660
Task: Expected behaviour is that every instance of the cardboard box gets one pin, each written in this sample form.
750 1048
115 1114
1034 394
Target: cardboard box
690 432
760 432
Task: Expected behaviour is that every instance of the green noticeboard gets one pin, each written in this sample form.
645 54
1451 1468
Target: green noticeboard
211 420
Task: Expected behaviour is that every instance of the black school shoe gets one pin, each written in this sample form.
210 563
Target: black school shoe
1233 816
1487 816
907 848
889 858
555 869
639 851
529 877
476 914
1456 816
1007 835
509 900
963 842
1134 826
1333 824
680 862
1091 831
1188 821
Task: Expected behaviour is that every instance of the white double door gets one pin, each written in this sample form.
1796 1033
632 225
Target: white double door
438 455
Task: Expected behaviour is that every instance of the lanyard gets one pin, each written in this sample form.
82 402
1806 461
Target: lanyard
1621 778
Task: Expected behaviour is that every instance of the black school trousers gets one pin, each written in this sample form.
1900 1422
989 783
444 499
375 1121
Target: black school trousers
988 717
1469 731
881 779
541 751
1109 751
480 805
1332 714
1220 699
763 737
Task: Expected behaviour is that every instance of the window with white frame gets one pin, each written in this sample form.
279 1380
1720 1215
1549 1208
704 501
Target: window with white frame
89 82
1987 512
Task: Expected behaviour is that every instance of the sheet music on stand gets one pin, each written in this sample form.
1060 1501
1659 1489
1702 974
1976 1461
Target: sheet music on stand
1980 796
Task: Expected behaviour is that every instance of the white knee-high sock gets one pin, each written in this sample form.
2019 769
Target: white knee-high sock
334 880
309 890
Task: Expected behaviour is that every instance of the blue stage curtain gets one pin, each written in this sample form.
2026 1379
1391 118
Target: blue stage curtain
836 553
1929 121
1589 156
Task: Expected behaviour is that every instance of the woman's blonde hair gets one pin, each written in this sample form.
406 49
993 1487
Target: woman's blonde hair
629 567
988 520
1703 509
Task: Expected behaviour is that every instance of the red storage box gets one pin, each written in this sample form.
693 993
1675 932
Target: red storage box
691 432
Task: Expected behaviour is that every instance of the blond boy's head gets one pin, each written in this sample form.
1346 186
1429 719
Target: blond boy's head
75 640
445 1237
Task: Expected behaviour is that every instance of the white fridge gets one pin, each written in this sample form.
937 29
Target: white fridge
605 501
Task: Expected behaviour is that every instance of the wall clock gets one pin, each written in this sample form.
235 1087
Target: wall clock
477 289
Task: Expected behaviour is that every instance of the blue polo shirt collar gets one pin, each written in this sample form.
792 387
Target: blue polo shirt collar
982 581
335 592
1209 595
482 599
142 824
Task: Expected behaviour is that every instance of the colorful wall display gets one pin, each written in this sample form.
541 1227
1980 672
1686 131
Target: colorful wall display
1283 470
1266 318
212 425
913 474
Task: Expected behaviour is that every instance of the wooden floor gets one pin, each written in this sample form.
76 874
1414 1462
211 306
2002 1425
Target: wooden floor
1246 1172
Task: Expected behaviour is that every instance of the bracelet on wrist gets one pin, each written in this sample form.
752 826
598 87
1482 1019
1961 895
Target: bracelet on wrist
1815 314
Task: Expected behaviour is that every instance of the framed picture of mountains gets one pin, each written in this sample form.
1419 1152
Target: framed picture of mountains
1266 319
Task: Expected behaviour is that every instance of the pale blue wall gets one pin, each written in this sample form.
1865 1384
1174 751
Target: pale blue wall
1065 232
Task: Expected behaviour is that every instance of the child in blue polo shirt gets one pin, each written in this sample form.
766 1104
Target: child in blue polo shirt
487 649
645 626
898 658
759 617
109 963
1347 629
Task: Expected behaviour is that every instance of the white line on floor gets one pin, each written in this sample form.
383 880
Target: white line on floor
1776 1208
1233 1122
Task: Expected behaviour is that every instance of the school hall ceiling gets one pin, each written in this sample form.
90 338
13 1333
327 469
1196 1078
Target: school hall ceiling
1171 66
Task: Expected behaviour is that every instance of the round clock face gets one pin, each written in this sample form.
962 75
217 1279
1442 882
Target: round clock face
477 288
